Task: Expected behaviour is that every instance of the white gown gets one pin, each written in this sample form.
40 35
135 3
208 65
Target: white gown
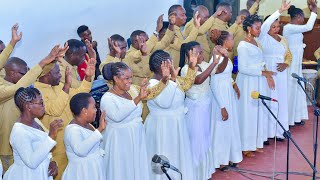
31 152
274 52
252 113
124 138
199 99
226 135
296 97
166 131
85 158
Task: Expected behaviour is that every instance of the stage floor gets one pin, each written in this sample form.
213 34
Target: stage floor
262 164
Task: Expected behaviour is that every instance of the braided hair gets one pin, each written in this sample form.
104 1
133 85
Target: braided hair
25 95
184 51
156 60
250 20
295 12
113 69
219 36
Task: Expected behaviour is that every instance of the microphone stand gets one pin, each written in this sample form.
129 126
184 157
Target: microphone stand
317 114
287 135
165 171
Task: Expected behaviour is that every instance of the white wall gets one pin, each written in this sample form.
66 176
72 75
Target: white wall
267 7
46 23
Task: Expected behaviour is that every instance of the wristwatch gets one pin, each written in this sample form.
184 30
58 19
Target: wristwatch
156 33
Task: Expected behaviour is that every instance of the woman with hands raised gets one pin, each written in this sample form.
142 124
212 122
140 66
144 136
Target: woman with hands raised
124 138
166 128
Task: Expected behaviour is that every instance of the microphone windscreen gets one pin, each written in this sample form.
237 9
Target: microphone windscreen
255 95
156 159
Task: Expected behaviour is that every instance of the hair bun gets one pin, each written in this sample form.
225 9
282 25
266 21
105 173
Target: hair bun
291 9
106 71
215 34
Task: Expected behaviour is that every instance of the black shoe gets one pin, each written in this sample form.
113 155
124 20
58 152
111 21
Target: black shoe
279 139
225 168
299 123
234 165
266 143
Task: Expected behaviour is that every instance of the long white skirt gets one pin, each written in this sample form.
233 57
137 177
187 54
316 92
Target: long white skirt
85 168
281 94
125 151
166 134
297 102
198 120
226 135
253 116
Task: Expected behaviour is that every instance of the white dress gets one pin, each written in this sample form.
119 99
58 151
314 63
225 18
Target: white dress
252 113
85 158
166 131
124 138
199 99
1 169
226 135
31 152
296 97
274 52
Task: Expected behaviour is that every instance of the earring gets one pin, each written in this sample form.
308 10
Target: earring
249 35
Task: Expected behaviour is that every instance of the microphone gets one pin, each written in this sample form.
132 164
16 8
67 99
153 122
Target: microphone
294 75
256 95
164 163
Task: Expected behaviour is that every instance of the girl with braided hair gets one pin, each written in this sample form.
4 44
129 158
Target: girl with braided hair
31 141
124 137
293 33
166 128
199 98
226 150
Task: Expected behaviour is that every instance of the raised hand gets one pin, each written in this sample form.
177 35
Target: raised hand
142 45
223 51
15 36
196 19
62 51
284 6
53 169
165 70
224 114
54 127
114 46
90 70
143 89
218 12
174 72
92 53
54 53
68 76
103 122
193 58
172 21
159 23
313 6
